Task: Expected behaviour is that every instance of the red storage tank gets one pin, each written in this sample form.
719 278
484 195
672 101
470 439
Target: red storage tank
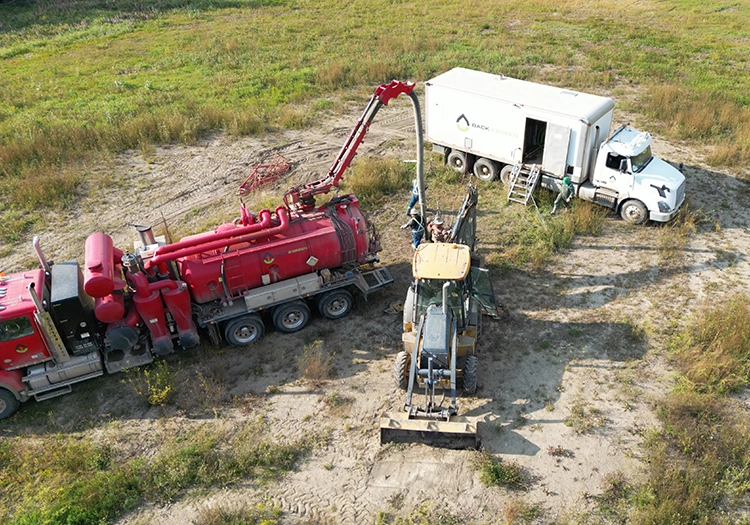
109 308
101 271
328 237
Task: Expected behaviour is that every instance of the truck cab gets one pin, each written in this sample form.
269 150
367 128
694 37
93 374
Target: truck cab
629 178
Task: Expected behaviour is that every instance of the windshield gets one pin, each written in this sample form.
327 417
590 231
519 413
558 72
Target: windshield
641 160
431 292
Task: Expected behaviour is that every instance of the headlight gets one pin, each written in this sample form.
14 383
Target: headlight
664 207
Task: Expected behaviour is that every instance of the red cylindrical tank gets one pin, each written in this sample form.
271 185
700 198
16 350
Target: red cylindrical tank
151 310
178 303
325 238
109 308
99 268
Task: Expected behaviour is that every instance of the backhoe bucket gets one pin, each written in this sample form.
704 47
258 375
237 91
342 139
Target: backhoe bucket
459 433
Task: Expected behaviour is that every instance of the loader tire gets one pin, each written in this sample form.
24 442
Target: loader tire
8 403
470 374
401 370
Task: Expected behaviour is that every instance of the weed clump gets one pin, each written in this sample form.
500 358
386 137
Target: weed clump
501 473
315 364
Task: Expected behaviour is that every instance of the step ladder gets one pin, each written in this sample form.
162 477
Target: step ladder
523 183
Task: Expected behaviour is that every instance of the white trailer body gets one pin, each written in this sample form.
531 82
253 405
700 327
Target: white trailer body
491 123
510 120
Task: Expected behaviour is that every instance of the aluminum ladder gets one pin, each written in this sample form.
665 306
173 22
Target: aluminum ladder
523 183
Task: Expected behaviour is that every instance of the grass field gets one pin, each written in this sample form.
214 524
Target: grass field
79 79
83 80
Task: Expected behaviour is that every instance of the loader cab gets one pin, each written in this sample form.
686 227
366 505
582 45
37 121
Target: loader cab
430 293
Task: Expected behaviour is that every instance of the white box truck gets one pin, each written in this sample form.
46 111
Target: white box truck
489 123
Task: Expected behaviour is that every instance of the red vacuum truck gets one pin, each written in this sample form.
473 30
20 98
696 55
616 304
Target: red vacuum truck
62 324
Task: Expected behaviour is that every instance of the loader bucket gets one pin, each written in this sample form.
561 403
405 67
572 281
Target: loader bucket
459 433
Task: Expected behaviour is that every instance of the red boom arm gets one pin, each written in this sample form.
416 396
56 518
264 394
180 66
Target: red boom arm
303 196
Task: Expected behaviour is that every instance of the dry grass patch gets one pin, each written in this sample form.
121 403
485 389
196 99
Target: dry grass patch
315 364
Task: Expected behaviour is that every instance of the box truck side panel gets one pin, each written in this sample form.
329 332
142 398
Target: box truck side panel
473 123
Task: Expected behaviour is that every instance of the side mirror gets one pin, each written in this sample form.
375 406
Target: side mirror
623 165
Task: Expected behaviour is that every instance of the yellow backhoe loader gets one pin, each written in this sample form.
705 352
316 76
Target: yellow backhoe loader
442 321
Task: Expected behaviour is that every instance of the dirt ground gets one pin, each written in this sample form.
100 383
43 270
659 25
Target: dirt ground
569 379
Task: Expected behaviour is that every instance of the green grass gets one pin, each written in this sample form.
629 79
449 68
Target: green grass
72 479
104 75
699 463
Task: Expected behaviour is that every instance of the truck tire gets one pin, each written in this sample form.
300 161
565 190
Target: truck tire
8 403
485 169
244 330
291 317
335 304
470 374
401 369
457 160
505 174
634 212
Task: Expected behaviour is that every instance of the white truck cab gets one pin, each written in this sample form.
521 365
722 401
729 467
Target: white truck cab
645 187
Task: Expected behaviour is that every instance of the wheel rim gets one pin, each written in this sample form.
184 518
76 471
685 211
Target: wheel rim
634 213
292 319
458 163
3 406
337 306
246 333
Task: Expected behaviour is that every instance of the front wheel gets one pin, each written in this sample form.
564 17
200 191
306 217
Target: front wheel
8 403
401 370
485 169
457 161
470 374
244 330
291 317
634 212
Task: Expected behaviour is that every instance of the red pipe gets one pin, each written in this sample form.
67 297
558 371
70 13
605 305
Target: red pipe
144 288
265 222
221 241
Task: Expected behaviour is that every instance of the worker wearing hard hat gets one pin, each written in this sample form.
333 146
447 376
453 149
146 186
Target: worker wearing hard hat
416 222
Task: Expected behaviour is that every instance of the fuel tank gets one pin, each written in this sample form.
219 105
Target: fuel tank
328 237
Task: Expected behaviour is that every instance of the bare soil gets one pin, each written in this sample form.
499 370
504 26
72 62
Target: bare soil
569 379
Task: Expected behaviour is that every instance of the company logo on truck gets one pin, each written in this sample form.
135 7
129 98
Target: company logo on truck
463 125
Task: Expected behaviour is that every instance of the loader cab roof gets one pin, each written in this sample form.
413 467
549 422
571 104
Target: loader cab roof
439 260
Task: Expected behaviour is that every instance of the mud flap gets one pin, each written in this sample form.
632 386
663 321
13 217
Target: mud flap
459 433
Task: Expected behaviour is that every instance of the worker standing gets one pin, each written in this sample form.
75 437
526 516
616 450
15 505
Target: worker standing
566 193
416 222
414 195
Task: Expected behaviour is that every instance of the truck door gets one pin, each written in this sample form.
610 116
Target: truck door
613 172
555 160
20 343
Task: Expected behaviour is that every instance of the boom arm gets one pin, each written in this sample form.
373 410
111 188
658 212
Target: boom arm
303 196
